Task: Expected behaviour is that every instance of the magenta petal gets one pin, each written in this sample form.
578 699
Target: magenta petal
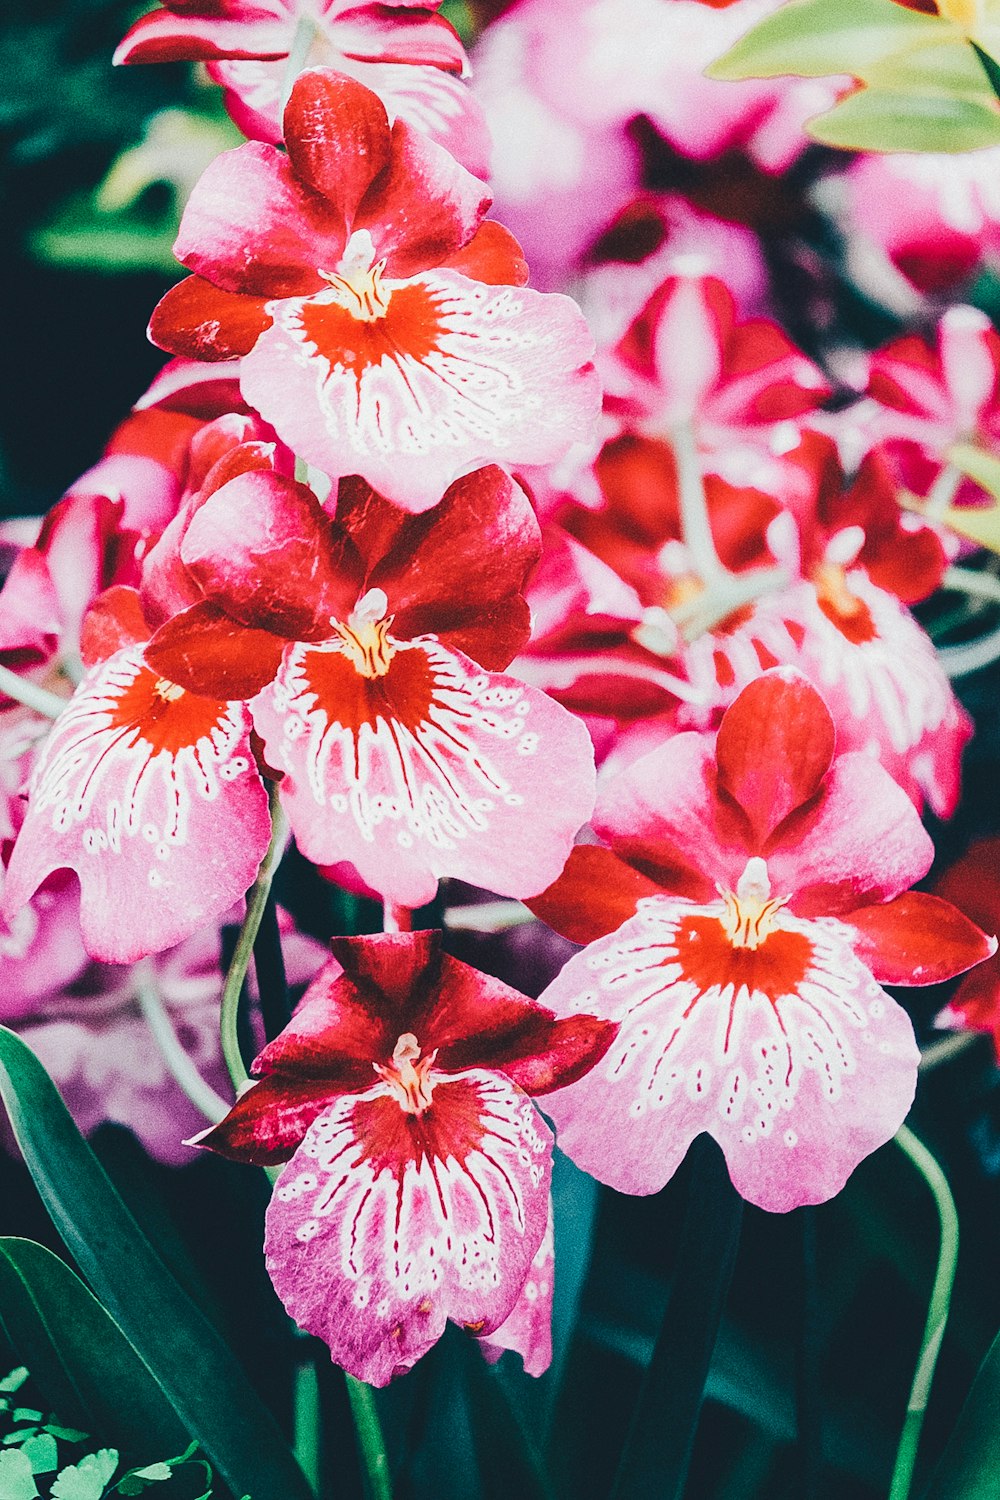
269 1121
425 208
528 1330
456 375
152 796
337 135
792 1057
775 745
917 939
436 768
386 1224
164 36
863 842
251 227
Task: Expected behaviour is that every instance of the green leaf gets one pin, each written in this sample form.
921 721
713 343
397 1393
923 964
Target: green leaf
977 524
15 1380
26 1414
878 119
990 67
42 1453
82 1362
17 1481
152 1471
87 1479
197 1371
819 38
67 1434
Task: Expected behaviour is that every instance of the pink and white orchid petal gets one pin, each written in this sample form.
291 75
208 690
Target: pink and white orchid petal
385 1224
152 796
252 227
917 939
337 137
528 1330
434 768
774 747
454 375
790 1055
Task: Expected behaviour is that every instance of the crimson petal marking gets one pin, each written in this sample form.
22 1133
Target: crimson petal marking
456 375
796 1087
157 806
384 1224
438 768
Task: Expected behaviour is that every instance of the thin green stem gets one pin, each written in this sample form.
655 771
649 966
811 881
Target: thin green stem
306 1416
370 1439
23 690
182 1069
233 987
937 1313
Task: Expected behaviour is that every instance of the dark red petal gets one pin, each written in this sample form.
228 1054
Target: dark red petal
337 136
263 549
115 619
206 652
492 256
776 743
163 36
198 320
593 896
535 1050
269 1121
916 939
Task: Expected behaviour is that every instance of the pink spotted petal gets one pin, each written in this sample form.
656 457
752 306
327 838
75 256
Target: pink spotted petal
436 768
337 136
528 1330
154 801
791 1056
251 227
774 747
455 375
384 1225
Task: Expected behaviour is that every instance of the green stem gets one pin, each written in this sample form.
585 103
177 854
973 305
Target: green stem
256 901
306 1440
182 1069
23 690
370 1438
937 1313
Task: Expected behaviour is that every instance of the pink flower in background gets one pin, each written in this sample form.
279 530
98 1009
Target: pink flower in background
374 642
973 882
420 1194
406 54
383 325
768 877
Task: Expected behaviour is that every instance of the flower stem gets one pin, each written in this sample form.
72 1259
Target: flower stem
696 529
306 1416
182 1069
370 1438
937 1313
23 690
240 962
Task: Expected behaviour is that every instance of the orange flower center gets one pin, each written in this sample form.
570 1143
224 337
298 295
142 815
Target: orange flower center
362 291
409 1075
365 637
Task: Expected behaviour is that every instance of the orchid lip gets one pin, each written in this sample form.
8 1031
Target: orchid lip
366 638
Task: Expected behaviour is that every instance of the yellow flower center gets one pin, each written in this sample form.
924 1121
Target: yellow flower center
751 912
359 280
409 1075
365 637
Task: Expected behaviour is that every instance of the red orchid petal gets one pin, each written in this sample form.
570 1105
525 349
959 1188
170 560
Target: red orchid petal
198 320
433 768
251 227
30 617
348 1018
164 36
906 375
337 135
113 621
263 550
374 1223
269 1121
775 745
424 207
152 796
916 939
492 256
593 896
456 571
911 566
230 440
206 652
186 388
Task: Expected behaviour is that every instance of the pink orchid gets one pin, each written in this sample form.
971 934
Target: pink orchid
527 1331
932 398
421 1194
973 882
406 54
375 643
763 881
383 325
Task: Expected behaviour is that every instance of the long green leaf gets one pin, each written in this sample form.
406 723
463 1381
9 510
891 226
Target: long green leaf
819 38
970 1465
79 1358
877 119
197 1371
